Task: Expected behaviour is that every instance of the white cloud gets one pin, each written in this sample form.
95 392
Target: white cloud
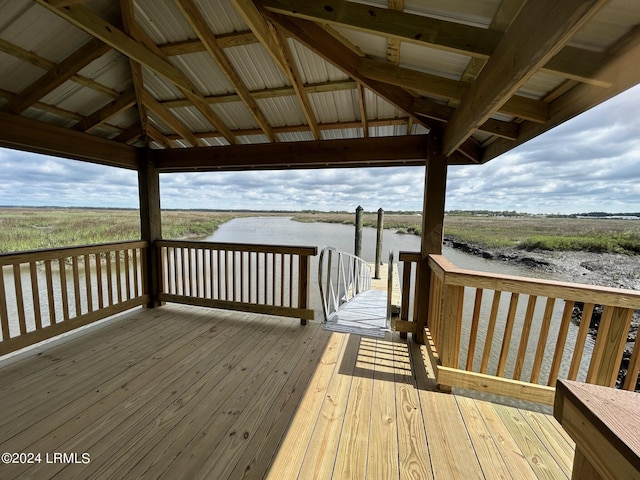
590 163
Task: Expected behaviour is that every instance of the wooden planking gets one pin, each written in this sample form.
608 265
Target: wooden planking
532 447
294 445
491 441
351 460
445 423
204 404
382 456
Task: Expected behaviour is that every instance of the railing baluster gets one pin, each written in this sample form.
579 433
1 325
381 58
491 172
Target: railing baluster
63 288
17 283
136 290
109 279
99 281
634 367
490 330
560 343
127 274
118 260
234 276
508 330
35 295
524 337
542 339
473 333
76 285
614 329
87 282
4 315
587 312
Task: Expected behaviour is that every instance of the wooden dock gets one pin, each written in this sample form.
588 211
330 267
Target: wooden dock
183 392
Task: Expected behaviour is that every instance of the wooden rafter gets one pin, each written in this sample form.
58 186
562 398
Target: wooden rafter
129 22
386 151
41 62
325 45
477 42
91 23
274 41
57 75
126 101
538 32
197 22
169 119
363 111
447 89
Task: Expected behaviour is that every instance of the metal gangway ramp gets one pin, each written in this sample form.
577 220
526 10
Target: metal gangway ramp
353 302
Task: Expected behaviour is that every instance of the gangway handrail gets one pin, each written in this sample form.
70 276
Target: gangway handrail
345 277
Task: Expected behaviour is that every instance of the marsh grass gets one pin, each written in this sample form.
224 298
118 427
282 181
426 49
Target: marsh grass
523 232
24 229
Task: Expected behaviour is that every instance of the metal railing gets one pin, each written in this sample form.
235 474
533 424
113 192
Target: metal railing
341 277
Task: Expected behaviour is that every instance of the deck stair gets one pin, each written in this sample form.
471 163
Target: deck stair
353 301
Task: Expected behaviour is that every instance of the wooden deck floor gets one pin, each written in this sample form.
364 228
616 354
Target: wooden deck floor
187 392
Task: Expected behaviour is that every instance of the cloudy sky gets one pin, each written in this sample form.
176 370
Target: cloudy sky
591 163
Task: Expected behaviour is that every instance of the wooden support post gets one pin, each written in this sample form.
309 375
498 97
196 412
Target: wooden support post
357 249
304 283
432 226
150 224
380 227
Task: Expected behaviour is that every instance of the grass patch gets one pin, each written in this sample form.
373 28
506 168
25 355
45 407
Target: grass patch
24 229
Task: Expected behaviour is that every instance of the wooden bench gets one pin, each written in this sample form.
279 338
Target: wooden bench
605 424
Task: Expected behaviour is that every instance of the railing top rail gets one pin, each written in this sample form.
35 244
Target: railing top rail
241 247
409 256
452 275
53 253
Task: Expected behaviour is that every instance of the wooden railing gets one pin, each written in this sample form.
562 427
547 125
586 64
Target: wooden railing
515 336
251 278
45 293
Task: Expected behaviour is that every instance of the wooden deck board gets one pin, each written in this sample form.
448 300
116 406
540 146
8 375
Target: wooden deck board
189 392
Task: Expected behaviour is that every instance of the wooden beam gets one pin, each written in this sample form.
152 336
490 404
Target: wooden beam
363 111
168 119
446 88
370 152
443 112
94 25
34 136
327 46
538 32
225 40
624 71
293 74
124 102
394 44
419 29
331 86
276 44
199 25
463 39
57 76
